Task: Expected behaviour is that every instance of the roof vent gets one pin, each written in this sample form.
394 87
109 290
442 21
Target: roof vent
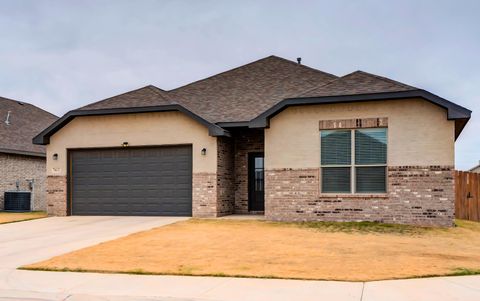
7 120
299 60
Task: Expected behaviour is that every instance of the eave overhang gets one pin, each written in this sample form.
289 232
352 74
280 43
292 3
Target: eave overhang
44 137
22 152
455 112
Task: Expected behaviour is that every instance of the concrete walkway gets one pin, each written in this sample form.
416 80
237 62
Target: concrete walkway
30 285
28 242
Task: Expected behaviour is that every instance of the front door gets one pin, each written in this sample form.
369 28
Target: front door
256 191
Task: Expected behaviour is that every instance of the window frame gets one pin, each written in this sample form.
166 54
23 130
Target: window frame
353 165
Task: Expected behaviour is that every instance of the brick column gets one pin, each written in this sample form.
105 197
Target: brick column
57 195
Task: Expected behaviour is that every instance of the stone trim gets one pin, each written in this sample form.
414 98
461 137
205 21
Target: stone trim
357 123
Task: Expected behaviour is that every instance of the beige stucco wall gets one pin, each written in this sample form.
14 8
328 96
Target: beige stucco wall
160 128
418 133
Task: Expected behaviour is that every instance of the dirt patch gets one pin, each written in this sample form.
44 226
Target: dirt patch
11 217
283 250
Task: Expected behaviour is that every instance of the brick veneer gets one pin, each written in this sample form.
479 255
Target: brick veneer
225 177
420 195
246 141
57 195
204 194
21 168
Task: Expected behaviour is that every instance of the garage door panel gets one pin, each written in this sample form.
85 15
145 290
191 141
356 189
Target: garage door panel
132 181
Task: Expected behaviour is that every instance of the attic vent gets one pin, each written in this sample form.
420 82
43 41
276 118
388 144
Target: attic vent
299 60
7 120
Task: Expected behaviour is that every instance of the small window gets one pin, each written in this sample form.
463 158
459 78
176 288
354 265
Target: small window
336 156
354 161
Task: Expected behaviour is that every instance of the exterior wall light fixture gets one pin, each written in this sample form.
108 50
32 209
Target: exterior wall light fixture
55 156
204 151
125 144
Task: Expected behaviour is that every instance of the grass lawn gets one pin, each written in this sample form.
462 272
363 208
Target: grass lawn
11 217
248 248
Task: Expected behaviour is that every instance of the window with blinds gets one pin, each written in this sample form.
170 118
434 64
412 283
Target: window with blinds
354 161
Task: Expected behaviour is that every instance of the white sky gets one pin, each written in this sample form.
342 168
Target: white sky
60 55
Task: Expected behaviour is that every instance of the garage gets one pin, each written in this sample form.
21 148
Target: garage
147 181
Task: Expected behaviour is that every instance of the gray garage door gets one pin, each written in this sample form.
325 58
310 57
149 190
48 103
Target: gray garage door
132 181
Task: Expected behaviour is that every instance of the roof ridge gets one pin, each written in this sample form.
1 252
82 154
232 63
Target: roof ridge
248 64
305 66
385 79
157 90
108 98
321 86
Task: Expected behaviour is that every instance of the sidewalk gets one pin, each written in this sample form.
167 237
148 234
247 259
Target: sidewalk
31 285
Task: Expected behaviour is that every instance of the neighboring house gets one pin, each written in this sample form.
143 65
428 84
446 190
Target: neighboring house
476 168
271 137
21 161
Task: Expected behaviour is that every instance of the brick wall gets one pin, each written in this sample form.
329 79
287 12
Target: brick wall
420 195
57 195
19 168
246 141
204 194
225 176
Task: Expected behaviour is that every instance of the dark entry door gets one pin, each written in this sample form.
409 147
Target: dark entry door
256 182
132 181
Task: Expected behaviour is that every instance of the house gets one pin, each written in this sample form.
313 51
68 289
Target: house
22 163
272 137
476 168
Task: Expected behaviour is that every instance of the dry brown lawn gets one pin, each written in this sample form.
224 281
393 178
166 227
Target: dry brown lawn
343 251
10 217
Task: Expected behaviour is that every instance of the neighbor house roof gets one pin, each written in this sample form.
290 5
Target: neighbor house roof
253 93
475 169
19 123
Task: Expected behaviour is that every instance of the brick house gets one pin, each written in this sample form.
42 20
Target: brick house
21 161
272 137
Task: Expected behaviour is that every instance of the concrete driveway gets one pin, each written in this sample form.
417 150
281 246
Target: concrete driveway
28 242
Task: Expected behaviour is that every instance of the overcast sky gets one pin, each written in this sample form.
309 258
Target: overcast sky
60 55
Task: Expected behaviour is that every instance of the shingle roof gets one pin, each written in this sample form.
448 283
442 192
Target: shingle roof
239 94
143 97
358 82
251 94
242 93
25 122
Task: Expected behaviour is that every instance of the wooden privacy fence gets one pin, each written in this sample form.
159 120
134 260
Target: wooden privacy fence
467 195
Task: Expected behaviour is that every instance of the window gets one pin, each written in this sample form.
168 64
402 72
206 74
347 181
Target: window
354 161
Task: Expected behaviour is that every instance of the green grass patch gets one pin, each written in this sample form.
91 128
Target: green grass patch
455 272
346 227
365 227
465 272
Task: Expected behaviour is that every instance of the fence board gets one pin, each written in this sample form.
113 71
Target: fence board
467 195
